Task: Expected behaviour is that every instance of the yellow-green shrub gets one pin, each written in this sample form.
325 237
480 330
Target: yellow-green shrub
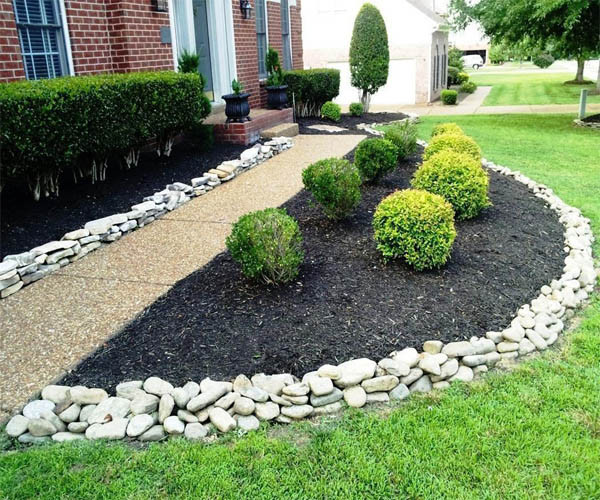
415 226
446 128
458 178
454 142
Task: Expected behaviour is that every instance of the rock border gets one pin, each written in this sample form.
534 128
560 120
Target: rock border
592 125
19 270
370 129
153 409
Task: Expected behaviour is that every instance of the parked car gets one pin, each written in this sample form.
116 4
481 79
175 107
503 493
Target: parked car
474 61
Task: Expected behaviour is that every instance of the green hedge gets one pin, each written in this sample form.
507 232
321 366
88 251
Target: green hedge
311 88
48 126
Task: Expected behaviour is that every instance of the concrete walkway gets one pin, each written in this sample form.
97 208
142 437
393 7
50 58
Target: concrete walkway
46 328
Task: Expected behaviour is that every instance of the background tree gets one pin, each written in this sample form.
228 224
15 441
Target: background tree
570 27
369 53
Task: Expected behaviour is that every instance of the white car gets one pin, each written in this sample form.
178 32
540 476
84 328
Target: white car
474 61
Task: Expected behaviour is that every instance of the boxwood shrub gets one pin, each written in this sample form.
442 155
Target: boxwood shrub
335 184
455 142
356 109
415 226
309 89
331 111
449 97
453 75
47 126
458 178
374 158
404 136
468 87
268 245
446 128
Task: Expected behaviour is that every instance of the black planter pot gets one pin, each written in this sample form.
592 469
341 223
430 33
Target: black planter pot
237 107
277 97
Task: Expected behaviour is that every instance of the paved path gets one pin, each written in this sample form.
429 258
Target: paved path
50 325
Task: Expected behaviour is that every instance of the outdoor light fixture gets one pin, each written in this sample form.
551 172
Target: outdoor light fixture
246 8
161 5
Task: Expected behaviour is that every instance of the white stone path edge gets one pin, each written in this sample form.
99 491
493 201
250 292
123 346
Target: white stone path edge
153 409
17 271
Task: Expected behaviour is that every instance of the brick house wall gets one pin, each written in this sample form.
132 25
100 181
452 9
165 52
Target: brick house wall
11 63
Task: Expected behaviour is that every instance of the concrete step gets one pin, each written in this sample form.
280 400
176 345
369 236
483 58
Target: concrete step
283 129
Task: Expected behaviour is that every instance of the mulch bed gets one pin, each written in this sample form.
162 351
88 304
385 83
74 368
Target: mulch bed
592 119
348 122
26 223
346 302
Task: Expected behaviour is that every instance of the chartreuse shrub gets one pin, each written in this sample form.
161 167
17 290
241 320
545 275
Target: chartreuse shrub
335 184
416 226
446 128
468 87
268 245
374 158
309 89
458 178
78 123
356 109
462 77
449 97
459 143
404 136
331 111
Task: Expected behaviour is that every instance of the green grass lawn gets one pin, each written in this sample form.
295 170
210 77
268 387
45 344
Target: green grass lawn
533 433
520 89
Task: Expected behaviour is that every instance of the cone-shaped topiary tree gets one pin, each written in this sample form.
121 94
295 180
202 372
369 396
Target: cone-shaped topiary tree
369 53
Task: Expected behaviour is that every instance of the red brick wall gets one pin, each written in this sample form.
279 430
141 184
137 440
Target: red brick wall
274 27
246 52
11 62
296 35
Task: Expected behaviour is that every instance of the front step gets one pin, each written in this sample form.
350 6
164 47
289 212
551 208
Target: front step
282 130
249 132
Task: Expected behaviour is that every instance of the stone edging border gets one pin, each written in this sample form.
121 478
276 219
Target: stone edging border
151 410
581 123
370 129
17 271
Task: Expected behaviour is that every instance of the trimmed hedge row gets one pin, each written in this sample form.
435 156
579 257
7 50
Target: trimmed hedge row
311 88
48 126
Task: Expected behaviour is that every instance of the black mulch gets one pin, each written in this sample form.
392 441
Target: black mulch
25 223
348 122
346 302
592 118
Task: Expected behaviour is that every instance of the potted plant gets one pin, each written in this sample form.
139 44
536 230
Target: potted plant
276 90
237 107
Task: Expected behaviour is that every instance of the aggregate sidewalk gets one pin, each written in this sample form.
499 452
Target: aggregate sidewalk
49 326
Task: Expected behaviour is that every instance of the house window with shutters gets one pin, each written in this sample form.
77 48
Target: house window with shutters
285 35
261 36
41 36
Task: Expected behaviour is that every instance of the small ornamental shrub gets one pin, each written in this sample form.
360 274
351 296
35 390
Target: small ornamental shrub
188 62
335 184
356 109
458 178
309 89
446 128
455 58
374 158
453 75
268 245
274 71
415 226
468 87
454 142
404 136
331 111
449 97
462 77
543 60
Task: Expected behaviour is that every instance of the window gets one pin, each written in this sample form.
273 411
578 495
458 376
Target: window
285 35
261 36
41 37
445 67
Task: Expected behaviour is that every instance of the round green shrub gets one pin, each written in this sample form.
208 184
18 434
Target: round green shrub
449 97
458 178
356 109
374 158
542 60
463 77
268 245
331 111
415 226
335 184
455 142
468 87
446 128
404 136
453 75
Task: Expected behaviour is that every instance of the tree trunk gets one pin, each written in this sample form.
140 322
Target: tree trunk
365 100
580 68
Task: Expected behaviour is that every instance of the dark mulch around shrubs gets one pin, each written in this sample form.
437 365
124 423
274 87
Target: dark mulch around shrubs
592 119
346 302
25 223
348 122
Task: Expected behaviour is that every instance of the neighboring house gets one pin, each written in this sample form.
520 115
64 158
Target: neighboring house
418 41
50 38
471 41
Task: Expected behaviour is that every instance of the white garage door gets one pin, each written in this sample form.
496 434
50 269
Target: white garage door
399 89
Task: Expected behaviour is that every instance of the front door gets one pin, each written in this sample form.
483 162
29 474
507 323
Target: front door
203 44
